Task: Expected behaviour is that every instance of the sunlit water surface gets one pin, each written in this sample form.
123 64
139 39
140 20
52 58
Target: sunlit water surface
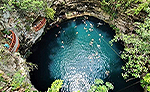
78 53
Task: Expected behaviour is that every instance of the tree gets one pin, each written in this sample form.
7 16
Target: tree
99 86
145 82
27 7
56 85
49 13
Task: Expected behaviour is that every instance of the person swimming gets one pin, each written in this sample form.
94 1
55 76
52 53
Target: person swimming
107 73
59 32
62 42
85 28
90 29
98 45
56 35
89 35
99 24
75 27
62 46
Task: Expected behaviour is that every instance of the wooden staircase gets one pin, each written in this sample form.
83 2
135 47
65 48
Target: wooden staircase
14 42
40 25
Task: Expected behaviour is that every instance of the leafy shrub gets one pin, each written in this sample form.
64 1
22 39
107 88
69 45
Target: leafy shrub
56 85
145 82
99 86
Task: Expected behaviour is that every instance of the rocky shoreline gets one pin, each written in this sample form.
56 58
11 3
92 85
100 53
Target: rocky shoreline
14 21
28 37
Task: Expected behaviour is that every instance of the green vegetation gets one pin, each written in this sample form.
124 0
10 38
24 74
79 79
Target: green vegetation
50 13
99 86
56 85
28 7
17 81
136 50
145 82
137 42
130 7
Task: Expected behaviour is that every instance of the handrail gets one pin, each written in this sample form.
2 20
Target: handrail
14 42
40 25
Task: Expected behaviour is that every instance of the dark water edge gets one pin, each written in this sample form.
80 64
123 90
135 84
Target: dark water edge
42 78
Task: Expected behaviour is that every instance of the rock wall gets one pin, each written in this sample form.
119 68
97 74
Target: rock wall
13 63
122 21
21 25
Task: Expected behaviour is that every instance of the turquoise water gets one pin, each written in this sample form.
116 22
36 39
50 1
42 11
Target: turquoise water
78 53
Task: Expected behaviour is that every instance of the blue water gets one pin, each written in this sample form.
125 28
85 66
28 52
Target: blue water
78 53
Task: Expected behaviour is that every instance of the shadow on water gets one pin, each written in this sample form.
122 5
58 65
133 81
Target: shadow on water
42 60
55 62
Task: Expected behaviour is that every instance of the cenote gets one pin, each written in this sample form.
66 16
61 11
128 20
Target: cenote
78 52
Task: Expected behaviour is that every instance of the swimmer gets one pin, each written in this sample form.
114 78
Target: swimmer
62 42
86 17
85 28
59 32
91 26
76 32
96 53
82 20
92 39
62 46
97 57
107 73
89 35
99 40
102 36
99 34
99 24
90 60
90 29
91 42
56 35
98 45
93 54
75 27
